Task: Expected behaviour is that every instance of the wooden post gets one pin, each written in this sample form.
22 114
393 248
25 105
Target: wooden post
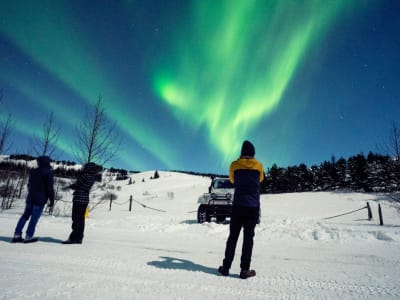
380 215
130 203
369 212
110 201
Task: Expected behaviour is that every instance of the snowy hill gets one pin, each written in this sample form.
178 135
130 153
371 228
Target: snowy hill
159 251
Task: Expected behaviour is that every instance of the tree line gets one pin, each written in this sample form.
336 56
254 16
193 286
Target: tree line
371 173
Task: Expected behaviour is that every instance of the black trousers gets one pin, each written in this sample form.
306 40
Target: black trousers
246 218
78 221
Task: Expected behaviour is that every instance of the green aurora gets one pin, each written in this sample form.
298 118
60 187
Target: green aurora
178 77
234 62
52 31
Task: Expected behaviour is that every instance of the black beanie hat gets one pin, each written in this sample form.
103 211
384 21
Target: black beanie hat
247 149
43 162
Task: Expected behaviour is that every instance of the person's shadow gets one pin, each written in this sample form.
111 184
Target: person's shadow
45 239
49 239
5 239
181 264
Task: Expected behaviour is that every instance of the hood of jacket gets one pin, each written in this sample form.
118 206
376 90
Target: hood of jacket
246 162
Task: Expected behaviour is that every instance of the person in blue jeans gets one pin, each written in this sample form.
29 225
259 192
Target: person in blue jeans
40 191
246 174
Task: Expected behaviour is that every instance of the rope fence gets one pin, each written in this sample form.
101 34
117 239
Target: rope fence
131 200
146 206
112 201
346 213
368 207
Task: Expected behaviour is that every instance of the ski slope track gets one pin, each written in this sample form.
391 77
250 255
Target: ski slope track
152 254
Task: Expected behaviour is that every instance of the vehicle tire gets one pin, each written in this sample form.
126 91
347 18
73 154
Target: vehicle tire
208 216
202 214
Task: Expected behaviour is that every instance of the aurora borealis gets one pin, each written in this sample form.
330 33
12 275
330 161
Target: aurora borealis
187 81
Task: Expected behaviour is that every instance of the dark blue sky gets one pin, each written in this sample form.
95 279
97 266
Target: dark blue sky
187 81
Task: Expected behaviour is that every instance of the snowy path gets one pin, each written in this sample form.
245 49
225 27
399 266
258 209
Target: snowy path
153 267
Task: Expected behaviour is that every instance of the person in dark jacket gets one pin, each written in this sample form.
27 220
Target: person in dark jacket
245 173
80 201
40 191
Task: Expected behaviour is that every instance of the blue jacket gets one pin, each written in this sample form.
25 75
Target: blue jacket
246 173
40 185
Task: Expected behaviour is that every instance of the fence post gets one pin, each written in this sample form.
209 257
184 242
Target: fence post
110 202
369 212
380 215
130 203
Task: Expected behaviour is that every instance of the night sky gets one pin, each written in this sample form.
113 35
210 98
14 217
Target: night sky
187 81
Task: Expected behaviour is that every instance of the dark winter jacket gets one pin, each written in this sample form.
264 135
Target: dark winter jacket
41 181
84 183
246 173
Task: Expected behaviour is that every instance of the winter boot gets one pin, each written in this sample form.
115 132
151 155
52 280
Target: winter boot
244 274
223 271
17 239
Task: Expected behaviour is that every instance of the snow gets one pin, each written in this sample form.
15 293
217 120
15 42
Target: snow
151 254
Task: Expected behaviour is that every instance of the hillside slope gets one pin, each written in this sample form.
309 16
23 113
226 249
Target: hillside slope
159 251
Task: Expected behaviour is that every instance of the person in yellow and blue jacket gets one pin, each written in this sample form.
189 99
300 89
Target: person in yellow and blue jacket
246 174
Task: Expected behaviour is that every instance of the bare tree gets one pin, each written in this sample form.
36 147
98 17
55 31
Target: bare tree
98 140
392 146
395 141
394 151
45 144
5 131
6 125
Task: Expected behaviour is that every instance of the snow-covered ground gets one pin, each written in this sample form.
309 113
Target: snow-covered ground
166 254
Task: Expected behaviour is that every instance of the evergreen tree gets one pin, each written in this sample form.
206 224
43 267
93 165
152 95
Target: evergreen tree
342 176
274 180
326 171
359 173
305 178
